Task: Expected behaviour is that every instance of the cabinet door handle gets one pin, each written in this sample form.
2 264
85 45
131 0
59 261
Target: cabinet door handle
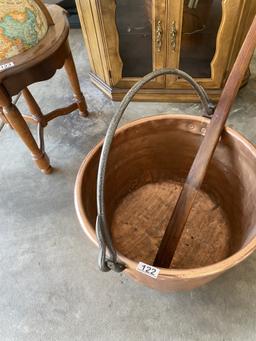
159 33
173 34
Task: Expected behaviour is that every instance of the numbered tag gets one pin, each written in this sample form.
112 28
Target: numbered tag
6 66
148 270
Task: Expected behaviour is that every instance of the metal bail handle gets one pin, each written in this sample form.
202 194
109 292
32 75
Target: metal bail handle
107 255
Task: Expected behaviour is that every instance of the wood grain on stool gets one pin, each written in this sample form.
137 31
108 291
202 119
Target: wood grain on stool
18 123
37 64
72 75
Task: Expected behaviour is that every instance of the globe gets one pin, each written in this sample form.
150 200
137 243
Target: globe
22 25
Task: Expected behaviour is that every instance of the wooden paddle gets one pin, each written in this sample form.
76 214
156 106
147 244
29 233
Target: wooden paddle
205 152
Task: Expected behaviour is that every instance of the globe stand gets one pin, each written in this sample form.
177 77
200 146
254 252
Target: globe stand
34 65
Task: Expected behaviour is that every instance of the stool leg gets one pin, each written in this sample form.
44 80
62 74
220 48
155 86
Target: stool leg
18 123
4 119
72 75
33 106
37 116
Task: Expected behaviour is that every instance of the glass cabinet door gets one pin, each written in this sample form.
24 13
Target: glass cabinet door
134 26
195 24
201 21
138 39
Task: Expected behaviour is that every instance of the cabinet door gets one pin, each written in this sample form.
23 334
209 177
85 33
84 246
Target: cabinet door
135 39
201 28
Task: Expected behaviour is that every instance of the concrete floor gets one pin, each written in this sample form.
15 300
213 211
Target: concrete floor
50 287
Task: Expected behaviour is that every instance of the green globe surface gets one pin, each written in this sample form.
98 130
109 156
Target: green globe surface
22 26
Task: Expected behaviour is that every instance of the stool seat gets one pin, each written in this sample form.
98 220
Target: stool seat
37 64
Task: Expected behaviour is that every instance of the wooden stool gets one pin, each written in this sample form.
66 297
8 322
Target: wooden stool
36 64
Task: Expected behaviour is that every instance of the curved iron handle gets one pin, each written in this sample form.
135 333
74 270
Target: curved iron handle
103 235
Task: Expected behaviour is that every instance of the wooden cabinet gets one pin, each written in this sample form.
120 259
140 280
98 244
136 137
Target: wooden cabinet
127 39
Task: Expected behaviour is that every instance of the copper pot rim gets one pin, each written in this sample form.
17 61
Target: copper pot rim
190 273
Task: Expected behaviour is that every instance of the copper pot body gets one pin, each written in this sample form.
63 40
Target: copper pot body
162 148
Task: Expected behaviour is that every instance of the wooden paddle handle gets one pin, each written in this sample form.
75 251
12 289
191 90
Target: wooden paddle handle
199 167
